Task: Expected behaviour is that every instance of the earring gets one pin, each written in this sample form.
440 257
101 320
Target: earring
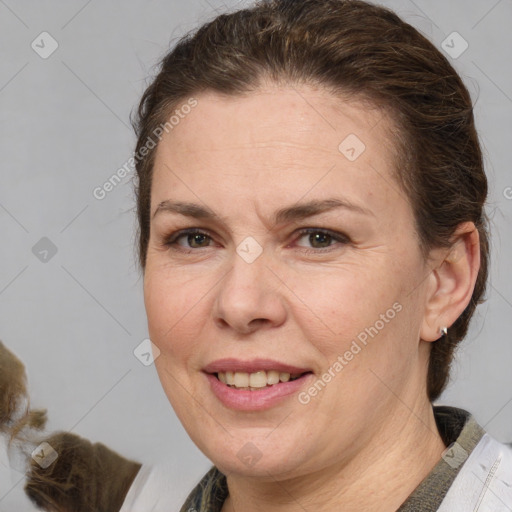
444 330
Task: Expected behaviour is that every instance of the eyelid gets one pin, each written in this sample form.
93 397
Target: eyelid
340 237
170 239
336 236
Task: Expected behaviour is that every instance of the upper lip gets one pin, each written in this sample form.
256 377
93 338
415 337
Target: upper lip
252 366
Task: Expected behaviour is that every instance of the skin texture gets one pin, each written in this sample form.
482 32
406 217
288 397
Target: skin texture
369 437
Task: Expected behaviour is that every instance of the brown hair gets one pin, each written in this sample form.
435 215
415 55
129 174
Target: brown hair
15 413
84 477
348 47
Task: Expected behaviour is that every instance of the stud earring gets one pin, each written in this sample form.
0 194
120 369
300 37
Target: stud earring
443 330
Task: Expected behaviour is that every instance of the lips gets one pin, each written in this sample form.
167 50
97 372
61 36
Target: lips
232 381
257 399
252 366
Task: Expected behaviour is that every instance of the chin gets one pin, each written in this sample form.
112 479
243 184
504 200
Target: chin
256 456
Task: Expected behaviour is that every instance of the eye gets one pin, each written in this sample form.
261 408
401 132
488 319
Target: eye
323 238
192 236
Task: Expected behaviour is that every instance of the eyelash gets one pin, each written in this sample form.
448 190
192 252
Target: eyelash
171 240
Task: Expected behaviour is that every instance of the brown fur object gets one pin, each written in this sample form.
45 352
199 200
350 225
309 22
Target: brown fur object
13 396
85 477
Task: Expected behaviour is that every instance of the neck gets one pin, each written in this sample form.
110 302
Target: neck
380 478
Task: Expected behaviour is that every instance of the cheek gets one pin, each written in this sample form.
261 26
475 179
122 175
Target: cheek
343 300
173 307
173 312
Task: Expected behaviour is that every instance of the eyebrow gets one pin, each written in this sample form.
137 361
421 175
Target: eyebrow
287 214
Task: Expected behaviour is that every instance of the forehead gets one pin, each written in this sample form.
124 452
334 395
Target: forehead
296 114
280 142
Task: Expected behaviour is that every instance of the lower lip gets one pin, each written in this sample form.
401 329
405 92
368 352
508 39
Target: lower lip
264 398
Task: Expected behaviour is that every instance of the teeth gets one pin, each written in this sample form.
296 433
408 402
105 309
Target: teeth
256 380
272 377
241 380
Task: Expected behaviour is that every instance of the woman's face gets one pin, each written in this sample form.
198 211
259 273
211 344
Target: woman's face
253 295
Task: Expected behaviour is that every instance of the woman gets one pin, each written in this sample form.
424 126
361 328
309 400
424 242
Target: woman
314 244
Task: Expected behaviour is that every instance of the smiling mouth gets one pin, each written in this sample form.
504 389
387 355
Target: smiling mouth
256 380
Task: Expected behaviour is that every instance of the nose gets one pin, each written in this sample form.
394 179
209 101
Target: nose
249 297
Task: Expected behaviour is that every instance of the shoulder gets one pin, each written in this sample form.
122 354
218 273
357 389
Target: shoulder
484 482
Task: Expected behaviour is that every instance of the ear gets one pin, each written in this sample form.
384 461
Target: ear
451 282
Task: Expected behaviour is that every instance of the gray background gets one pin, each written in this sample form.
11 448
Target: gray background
76 318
